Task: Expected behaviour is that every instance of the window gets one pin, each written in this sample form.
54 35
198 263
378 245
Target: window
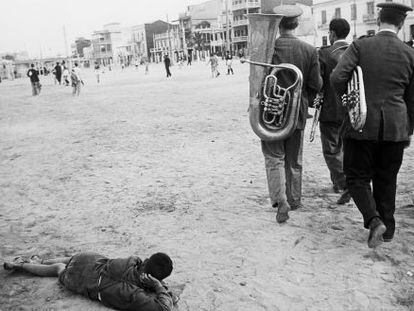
323 13
337 12
324 40
370 8
412 31
353 12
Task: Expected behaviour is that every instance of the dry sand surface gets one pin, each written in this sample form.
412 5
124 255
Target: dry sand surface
140 164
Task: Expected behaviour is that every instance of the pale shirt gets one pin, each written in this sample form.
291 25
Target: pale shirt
77 72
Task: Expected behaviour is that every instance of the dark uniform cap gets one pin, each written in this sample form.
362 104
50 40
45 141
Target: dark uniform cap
288 10
395 7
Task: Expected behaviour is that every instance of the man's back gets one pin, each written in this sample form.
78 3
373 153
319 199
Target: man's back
33 74
332 110
289 49
388 67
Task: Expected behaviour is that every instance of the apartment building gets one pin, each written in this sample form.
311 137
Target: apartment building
361 15
240 23
143 38
105 42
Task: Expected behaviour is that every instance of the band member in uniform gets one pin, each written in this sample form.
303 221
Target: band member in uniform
283 159
332 111
375 153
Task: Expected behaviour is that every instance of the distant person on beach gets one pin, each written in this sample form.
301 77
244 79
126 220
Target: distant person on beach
122 283
213 61
57 71
65 76
76 78
229 63
33 74
167 63
146 63
189 57
97 72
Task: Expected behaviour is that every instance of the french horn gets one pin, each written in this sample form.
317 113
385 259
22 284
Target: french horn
273 107
354 100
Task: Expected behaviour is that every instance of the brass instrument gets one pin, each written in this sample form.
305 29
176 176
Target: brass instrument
317 103
354 100
273 109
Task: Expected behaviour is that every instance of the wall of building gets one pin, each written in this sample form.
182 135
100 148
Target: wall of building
152 29
363 19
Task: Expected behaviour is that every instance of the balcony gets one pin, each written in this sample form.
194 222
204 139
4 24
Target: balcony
240 39
369 18
245 5
240 22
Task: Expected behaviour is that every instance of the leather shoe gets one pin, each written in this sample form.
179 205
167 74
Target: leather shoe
344 198
387 238
282 213
294 207
376 230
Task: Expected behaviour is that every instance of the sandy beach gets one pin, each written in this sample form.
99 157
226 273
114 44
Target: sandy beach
140 163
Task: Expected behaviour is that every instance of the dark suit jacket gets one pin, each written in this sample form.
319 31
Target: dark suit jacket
332 109
388 70
289 49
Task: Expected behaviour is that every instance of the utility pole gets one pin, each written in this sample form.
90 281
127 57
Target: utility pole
227 27
184 42
355 17
66 41
169 39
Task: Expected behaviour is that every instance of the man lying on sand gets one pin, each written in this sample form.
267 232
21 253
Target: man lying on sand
122 283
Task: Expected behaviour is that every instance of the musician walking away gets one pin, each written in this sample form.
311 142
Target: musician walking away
332 112
167 63
283 159
33 75
375 154
122 283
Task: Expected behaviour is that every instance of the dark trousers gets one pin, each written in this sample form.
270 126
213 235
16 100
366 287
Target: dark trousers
377 162
332 148
167 68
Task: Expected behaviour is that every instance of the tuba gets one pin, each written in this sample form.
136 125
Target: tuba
273 108
354 100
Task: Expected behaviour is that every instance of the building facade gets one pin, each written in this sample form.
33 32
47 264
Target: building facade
361 15
105 42
201 28
240 23
169 43
143 39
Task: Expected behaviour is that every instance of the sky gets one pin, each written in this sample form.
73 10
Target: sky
36 26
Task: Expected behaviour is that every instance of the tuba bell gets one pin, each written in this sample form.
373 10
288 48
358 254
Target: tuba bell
273 108
354 100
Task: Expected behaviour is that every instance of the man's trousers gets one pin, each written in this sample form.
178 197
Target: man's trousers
283 161
377 162
332 148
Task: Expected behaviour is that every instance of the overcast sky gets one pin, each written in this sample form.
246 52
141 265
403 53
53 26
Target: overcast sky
35 25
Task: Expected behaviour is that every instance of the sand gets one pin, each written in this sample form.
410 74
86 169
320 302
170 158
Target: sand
140 164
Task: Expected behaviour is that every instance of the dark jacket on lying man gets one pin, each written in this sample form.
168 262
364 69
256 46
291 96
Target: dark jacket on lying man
114 282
